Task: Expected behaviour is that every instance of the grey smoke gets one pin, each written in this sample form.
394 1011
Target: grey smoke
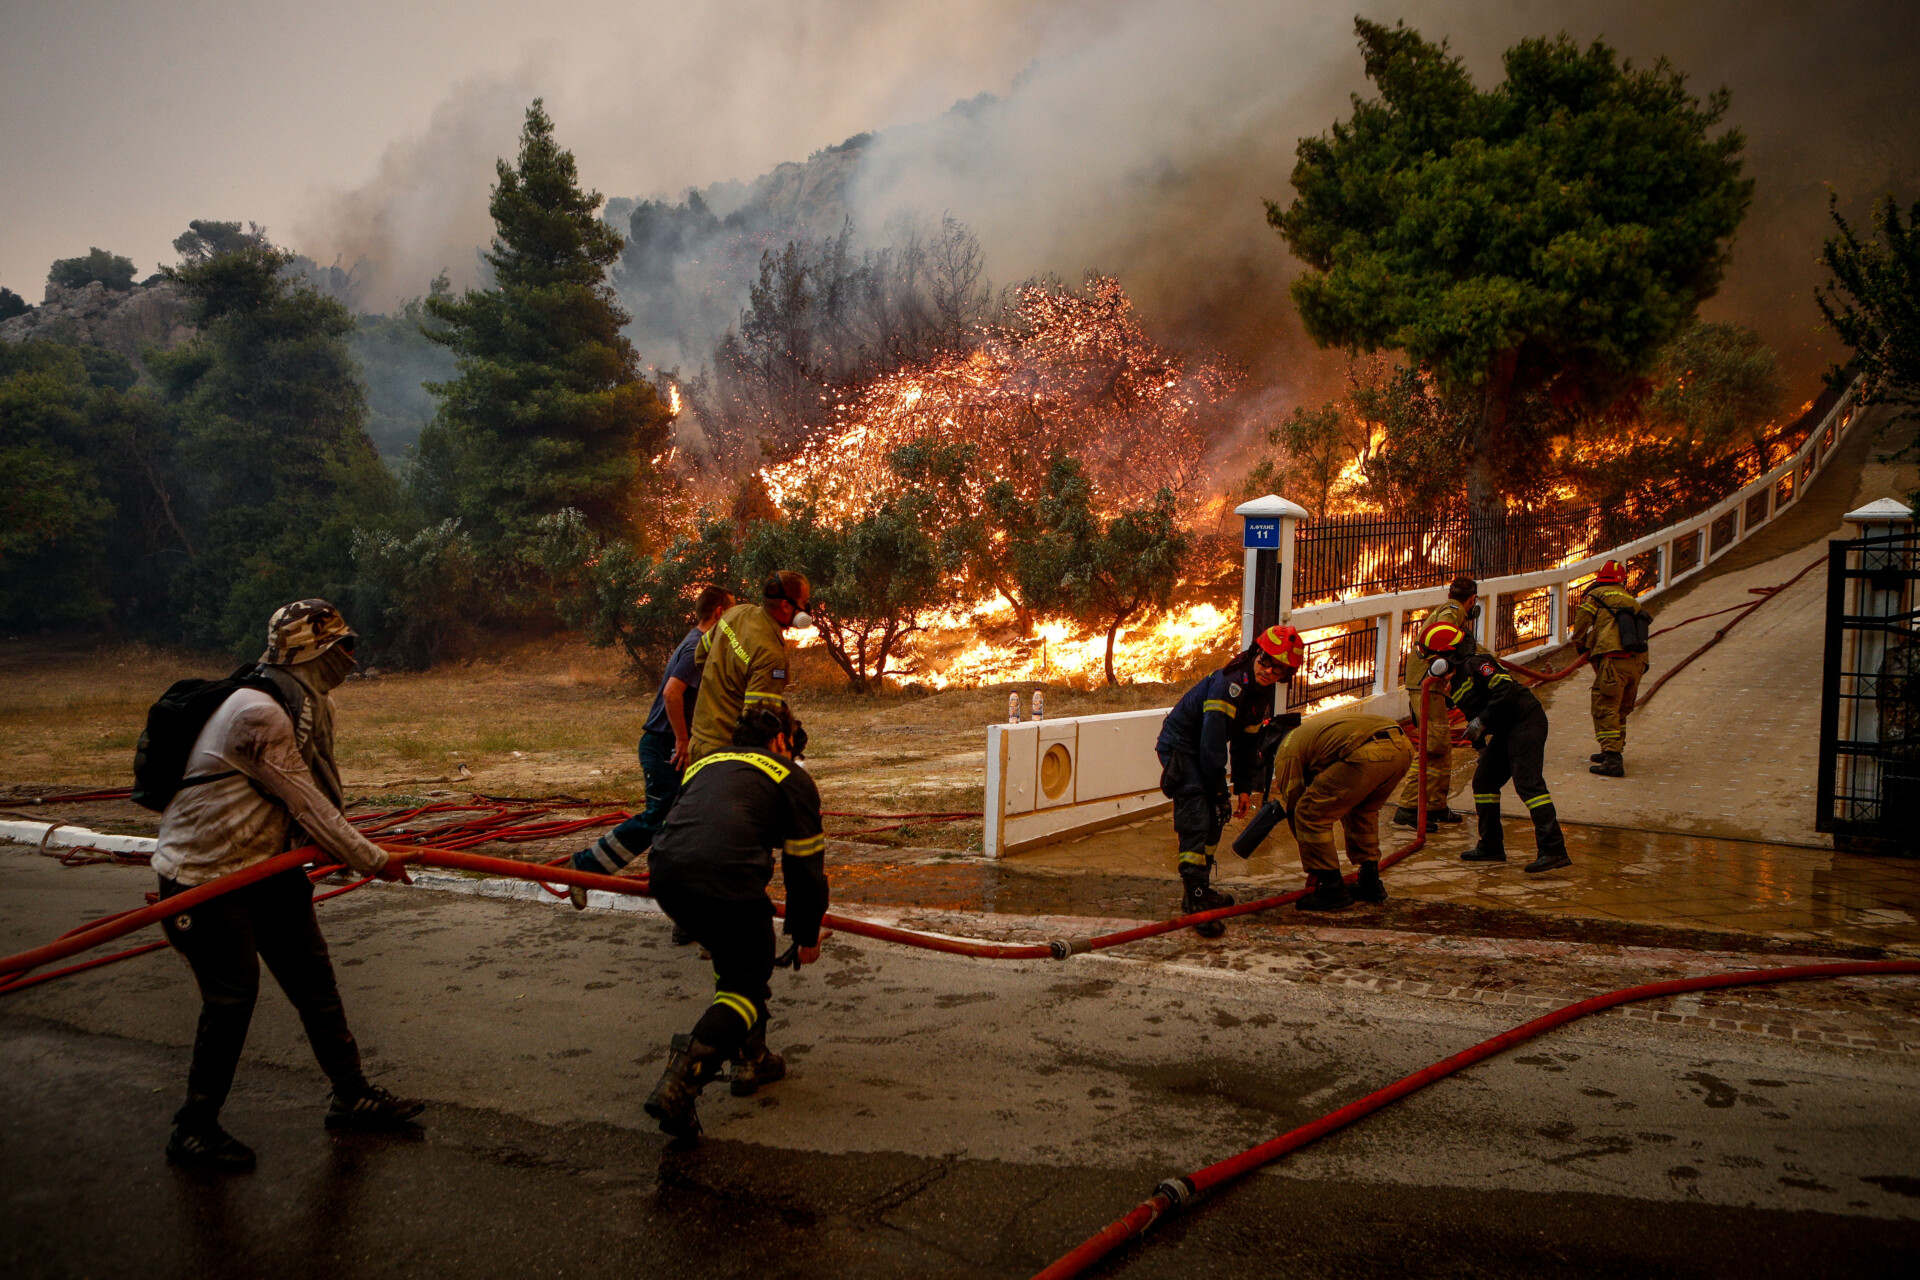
1141 138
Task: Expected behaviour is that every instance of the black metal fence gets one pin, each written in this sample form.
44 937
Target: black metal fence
1374 555
1869 780
1337 662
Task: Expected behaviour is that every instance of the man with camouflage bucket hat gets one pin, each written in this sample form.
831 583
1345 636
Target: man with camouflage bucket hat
260 779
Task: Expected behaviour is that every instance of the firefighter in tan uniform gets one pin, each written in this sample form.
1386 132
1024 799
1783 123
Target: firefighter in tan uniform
1459 609
744 660
1340 766
1610 628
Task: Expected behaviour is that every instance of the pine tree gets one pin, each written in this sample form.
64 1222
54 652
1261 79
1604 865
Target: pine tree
548 409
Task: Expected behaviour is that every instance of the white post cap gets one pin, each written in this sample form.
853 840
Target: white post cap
1885 511
1272 505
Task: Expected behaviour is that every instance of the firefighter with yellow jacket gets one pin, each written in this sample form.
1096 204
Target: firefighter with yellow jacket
1459 609
1610 628
1340 766
743 660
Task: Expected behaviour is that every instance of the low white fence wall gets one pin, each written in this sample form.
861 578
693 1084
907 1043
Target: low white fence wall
1057 778
1681 552
1051 778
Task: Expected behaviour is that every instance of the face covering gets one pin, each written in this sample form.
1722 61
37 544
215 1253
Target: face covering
330 669
1473 614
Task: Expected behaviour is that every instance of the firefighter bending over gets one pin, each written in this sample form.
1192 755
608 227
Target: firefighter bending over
744 660
711 864
1341 766
1217 723
1611 627
1508 727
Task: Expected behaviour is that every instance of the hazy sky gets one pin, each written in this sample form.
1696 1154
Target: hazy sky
1137 135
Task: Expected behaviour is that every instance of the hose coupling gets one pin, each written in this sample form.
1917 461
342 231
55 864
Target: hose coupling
1064 947
1178 1193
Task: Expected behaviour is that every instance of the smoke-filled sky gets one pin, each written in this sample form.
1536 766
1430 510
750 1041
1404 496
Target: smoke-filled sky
1137 136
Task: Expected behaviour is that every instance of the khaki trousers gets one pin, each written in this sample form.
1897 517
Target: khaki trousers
1616 683
1439 750
1351 792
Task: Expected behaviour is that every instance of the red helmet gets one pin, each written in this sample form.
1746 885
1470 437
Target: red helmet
1612 572
1283 644
1440 638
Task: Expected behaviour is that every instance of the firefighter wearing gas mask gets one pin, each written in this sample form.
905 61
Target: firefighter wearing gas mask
1508 727
1214 726
1458 610
1611 628
743 660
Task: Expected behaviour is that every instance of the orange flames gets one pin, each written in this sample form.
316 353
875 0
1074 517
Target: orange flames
1070 371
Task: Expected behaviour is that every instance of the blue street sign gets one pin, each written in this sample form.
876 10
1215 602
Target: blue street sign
1263 532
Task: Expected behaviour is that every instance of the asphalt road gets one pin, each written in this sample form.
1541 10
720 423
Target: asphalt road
944 1118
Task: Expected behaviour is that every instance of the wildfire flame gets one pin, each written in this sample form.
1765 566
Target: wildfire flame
1070 371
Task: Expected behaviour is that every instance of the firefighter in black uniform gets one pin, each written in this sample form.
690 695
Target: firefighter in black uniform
1508 727
710 865
1217 721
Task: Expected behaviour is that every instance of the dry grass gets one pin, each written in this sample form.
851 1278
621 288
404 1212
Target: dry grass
528 719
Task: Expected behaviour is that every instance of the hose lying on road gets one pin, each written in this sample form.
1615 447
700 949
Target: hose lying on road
1179 1193
13 969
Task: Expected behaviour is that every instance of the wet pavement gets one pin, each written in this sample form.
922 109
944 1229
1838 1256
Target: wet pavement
1619 877
948 1117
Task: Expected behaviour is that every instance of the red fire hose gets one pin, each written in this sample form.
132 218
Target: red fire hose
14 968
1180 1193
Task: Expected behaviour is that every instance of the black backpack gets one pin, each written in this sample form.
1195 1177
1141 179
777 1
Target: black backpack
1634 625
173 723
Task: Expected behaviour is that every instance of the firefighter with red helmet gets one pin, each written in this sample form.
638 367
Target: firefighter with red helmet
1214 726
1610 628
1508 727
1459 609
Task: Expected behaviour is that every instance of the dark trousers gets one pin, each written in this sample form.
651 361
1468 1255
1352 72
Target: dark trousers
739 937
1195 820
224 940
635 836
1517 753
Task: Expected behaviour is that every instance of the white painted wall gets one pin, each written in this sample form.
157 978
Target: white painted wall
1103 771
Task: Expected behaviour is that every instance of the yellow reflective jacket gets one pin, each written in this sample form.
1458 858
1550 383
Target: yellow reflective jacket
1320 741
1595 630
743 663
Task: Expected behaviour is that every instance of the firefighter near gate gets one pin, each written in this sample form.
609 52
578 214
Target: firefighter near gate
711 864
1214 727
1610 628
1508 727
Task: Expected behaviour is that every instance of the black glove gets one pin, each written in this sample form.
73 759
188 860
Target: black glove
1477 734
1222 811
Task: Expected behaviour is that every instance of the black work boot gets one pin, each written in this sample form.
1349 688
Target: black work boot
1493 841
1330 892
372 1110
1611 765
1368 887
1202 896
689 1067
1407 816
208 1148
1549 841
1598 757
756 1064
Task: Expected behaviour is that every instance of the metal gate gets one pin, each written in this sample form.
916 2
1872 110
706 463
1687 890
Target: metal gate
1870 696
